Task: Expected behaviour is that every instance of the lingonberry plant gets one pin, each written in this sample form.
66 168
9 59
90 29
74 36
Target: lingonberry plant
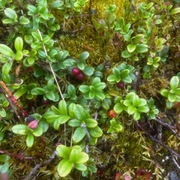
89 89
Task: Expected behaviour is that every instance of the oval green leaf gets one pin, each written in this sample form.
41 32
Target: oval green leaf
30 140
79 134
64 167
6 50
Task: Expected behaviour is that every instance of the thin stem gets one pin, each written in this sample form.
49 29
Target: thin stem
54 75
172 152
51 68
34 170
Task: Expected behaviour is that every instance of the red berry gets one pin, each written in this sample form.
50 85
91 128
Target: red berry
80 76
120 84
33 124
76 71
112 113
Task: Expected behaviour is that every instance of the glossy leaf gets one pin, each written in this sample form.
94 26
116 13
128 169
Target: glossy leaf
175 11
18 44
80 167
6 50
90 123
23 20
38 131
62 107
84 56
64 167
131 47
174 82
74 123
10 13
95 132
63 151
20 129
79 134
30 140
78 157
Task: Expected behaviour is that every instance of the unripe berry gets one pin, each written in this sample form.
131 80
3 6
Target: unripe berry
112 113
120 84
33 124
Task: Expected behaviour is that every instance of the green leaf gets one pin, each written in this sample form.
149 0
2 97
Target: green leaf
171 97
90 123
131 47
81 167
62 107
78 134
63 151
59 120
10 13
30 140
2 113
164 92
18 44
84 89
118 108
51 95
64 167
8 21
141 48
21 129
136 116
169 104
144 109
100 95
115 127
78 157
38 131
174 82
125 54
6 50
74 123
131 109
175 11
23 20
88 71
71 110
112 78
38 91
81 113
142 102
18 55
96 132
84 56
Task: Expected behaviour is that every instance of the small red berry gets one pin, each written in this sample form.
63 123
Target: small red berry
120 85
33 124
112 113
76 71
80 76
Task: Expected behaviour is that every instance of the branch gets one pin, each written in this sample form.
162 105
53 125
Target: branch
34 170
171 128
171 151
17 156
51 68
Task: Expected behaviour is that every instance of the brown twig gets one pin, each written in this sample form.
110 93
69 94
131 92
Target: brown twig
34 170
171 151
17 156
171 128
10 103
